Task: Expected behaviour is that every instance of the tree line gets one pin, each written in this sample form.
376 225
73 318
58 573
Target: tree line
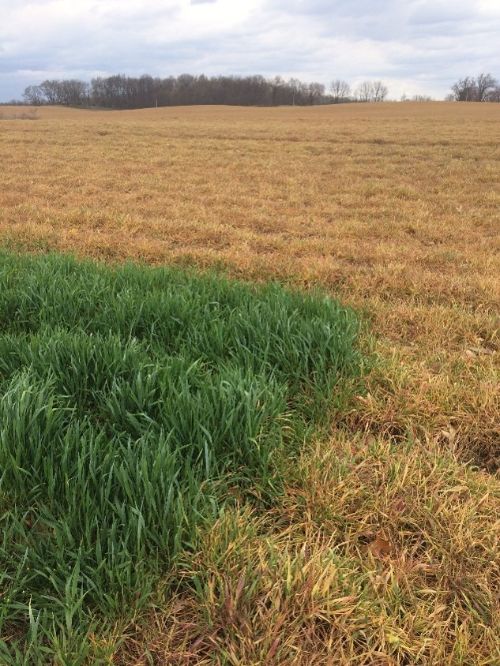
482 88
126 92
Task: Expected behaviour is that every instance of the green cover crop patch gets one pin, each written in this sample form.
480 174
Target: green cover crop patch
131 398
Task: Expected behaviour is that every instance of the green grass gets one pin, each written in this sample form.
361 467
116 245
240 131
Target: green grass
133 402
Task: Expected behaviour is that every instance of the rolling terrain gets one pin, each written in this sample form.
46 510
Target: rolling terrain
383 544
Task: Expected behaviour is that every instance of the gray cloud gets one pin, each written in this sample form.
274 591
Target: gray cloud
416 46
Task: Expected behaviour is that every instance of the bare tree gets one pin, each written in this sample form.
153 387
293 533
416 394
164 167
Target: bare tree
340 90
316 92
494 95
371 91
33 95
51 91
380 91
465 90
480 89
485 84
364 92
73 92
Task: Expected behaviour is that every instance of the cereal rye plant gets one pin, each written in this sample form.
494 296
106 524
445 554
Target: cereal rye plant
132 400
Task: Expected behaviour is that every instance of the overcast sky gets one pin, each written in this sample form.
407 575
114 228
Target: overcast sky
415 46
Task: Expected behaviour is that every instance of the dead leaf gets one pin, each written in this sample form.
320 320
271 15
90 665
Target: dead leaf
381 547
399 505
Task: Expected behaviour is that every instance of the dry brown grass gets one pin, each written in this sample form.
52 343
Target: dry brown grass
379 554
393 208
19 114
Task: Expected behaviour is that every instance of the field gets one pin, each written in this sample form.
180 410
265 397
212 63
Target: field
381 544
